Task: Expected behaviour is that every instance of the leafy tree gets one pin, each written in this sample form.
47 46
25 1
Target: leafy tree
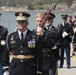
31 7
39 3
35 2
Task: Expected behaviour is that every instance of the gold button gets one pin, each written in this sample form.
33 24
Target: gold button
21 51
21 46
34 64
21 60
12 46
48 55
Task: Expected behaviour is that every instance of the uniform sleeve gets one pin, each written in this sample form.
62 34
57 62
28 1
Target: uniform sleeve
39 55
5 57
49 39
60 31
71 31
3 35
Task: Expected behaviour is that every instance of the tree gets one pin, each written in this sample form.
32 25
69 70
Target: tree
35 2
31 7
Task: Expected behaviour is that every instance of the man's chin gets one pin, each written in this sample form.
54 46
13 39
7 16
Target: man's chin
21 29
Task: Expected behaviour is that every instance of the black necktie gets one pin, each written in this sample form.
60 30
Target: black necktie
21 35
46 28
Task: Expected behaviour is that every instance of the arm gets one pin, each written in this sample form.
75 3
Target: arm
49 39
3 34
39 55
5 57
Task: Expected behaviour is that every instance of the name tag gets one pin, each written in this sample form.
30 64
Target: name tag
12 42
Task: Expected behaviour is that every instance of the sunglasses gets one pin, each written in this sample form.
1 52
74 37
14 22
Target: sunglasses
21 21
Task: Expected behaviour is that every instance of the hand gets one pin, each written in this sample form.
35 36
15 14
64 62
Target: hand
6 73
55 47
39 73
3 43
39 31
64 34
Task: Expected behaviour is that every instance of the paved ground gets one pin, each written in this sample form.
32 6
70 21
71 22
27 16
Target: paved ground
71 71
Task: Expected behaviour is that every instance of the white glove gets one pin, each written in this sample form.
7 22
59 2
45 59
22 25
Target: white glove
64 34
3 43
39 31
55 47
6 73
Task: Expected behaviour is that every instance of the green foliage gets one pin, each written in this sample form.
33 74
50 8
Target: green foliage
38 7
31 7
35 2
20 2
39 3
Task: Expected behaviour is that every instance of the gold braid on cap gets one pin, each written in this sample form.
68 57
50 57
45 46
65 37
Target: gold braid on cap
21 17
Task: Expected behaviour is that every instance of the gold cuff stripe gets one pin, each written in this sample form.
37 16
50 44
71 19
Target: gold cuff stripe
4 67
39 72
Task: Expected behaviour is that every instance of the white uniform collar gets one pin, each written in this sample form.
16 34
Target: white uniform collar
24 34
63 23
50 26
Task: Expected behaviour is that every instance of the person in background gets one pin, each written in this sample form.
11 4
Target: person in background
74 20
69 20
3 35
71 23
26 49
74 27
74 37
48 42
55 49
64 35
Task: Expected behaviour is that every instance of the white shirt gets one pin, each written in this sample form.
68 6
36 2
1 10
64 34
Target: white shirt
24 34
63 23
50 27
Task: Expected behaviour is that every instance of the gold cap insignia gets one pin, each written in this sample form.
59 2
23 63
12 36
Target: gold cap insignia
20 14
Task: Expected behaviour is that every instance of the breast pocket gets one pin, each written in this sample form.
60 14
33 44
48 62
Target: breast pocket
13 45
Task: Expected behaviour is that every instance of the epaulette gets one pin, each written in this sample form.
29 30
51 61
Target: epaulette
5 29
8 34
1 26
59 25
56 27
47 33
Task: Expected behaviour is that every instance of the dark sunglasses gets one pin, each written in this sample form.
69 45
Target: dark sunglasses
21 21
